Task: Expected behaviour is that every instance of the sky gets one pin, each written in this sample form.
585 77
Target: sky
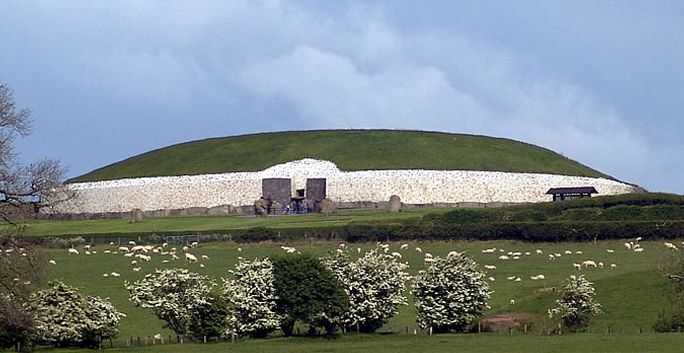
601 82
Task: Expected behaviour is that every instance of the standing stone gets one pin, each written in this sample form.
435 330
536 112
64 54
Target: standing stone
136 215
328 206
394 204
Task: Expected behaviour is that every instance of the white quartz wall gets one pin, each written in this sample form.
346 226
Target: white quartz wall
413 186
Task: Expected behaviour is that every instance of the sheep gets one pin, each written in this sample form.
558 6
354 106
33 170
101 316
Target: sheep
589 263
87 252
193 244
492 279
610 251
578 252
123 249
488 251
527 253
670 246
517 279
202 265
516 257
490 267
512 302
165 245
552 257
577 266
239 249
190 257
510 278
136 269
537 277
539 252
568 252
600 264
86 247
131 242
429 259
205 257
105 275
339 251
52 262
174 256
165 261
185 248
403 246
638 239
419 249
115 274
638 249
73 251
157 337
427 254
453 253
558 254
129 254
134 263
396 254
503 257
343 245
613 266
628 246
107 251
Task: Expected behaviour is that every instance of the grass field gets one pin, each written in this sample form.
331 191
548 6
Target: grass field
631 294
349 149
192 224
666 343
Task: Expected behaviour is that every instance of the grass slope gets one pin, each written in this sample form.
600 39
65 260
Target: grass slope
349 149
631 295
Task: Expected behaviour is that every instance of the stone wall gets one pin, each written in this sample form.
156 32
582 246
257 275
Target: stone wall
240 189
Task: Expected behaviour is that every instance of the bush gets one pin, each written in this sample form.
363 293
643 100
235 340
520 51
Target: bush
669 322
575 304
308 292
450 293
251 298
181 299
375 284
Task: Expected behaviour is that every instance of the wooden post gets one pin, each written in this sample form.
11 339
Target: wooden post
510 330
205 339
430 330
560 332
407 331
358 329
479 327
232 335
525 328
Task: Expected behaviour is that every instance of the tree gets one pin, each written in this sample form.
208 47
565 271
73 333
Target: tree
375 284
23 188
183 300
308 292
64 317
450 293
251 298
575 304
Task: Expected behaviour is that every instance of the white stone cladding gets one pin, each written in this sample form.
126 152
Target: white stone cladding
413 186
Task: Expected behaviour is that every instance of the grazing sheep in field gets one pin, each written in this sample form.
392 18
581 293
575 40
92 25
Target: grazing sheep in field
490 267
577 266
174 256
86 247
145 258
503 257
638 239
552 257
239 249
578 252
123 249
205 257
429 259
516 257
165 261
427 254
539 252
193 244
589 263
558 254
190 257
52 262
343 245
105 275
73 251
396 254
115 274
129 254
453 253
134 263
157 337
419 249
512 302
613 266
107 251
165 245
488 251
403 246
201 265
537 277
132 243
87 252
670 246
185 248
638 249
492 279
600 264
628 245
517 279
568 252
610 251
527 253
510 278
136 269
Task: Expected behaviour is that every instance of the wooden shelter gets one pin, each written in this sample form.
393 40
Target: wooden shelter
560 194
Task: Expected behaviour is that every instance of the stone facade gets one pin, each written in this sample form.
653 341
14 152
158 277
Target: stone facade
371 186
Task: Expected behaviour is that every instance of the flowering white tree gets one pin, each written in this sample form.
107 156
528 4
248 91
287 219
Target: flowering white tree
251 298
450 293
375 284
575 304
181 298
65 317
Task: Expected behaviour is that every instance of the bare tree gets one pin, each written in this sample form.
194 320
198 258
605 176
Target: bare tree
21 186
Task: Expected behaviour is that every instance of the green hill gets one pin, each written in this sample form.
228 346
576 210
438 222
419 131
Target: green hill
349 149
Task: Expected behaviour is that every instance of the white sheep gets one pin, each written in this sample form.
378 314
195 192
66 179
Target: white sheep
115 274
190 257
503 257
610 251
578 252
628 245
427 254
638 249
552 257
613 266
539 252
131 242
453 253
419 249
577 266
589 263
600 264
396 254
73 251
670 246
512 302
517 279
123 249
568 252
510 278
193 244
205 257
52 262
490 267
403 246
537 277
492 279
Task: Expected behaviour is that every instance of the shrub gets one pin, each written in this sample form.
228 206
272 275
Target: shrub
307 291
251 298
450 293
375 284
575 304
64 317
180 298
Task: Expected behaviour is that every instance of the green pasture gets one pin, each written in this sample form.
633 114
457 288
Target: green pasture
450 343
349 149
194 224
632 294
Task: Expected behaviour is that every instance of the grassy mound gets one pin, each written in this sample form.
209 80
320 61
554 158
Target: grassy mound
349 149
